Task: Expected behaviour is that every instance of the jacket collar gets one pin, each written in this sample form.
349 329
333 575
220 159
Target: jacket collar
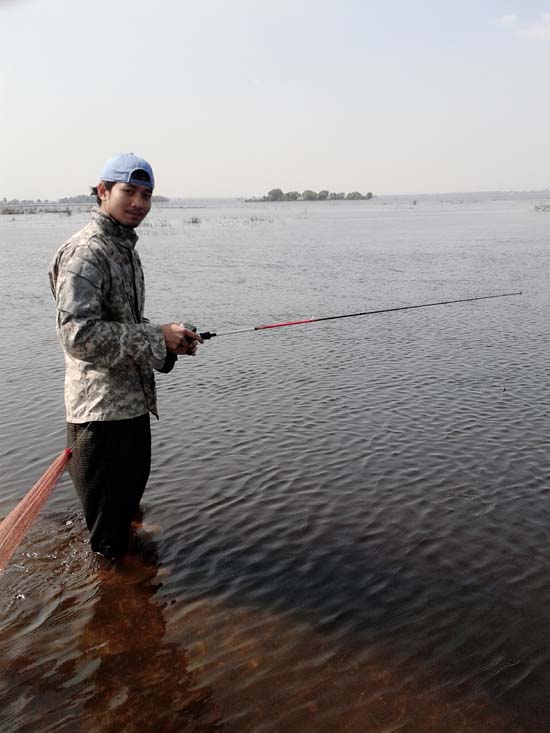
123 235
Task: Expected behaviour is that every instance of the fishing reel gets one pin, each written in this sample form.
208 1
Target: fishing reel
205 335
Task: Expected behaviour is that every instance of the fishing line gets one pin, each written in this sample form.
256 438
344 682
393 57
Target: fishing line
205 335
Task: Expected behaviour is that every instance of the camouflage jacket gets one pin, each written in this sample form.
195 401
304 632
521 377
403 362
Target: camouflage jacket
110 349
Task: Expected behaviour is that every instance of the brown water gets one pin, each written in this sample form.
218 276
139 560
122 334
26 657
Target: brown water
348 521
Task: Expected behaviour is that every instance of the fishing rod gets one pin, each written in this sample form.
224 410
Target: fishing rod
14 526
205 335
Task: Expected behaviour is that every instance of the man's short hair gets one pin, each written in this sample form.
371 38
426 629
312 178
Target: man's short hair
93 192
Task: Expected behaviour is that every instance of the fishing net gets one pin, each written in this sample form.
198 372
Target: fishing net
18 521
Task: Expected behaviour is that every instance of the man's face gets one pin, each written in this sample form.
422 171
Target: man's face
125 202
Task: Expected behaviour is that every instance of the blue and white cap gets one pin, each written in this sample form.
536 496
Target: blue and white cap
122 168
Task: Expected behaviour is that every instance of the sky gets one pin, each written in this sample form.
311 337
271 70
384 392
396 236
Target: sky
234 98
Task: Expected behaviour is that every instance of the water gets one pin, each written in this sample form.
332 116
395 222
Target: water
350 518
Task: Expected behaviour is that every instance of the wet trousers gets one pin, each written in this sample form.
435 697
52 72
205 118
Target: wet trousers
109 467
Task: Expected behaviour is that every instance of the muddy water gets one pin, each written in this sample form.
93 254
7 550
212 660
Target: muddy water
347 523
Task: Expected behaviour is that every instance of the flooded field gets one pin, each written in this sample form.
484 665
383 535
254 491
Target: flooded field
347 522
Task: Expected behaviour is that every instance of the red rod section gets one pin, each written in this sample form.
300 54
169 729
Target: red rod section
286 323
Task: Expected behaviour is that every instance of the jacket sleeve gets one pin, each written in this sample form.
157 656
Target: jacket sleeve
166 364
79 282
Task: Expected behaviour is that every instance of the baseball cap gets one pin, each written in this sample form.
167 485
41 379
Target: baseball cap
122 167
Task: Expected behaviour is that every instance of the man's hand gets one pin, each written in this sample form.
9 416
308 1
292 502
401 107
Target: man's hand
180 340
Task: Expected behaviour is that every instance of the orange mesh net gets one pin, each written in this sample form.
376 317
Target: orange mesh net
18 521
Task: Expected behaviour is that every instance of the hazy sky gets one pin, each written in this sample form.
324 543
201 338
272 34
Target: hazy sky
235 97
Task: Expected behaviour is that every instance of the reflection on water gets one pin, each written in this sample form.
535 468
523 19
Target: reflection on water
133 678
118 672
351 519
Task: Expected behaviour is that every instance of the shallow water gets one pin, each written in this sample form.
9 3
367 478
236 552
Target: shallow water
349 519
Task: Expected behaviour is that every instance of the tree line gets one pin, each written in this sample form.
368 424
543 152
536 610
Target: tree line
277 194
85 198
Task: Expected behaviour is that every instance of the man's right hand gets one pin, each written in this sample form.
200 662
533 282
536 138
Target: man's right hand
180 340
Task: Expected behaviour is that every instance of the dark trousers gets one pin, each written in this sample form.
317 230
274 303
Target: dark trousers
109 467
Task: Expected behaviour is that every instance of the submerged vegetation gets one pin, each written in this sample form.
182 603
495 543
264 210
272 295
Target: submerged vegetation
157 227
16 210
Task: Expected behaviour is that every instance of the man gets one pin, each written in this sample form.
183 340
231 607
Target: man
110 353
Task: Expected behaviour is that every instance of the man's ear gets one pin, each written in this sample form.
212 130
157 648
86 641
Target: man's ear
102 191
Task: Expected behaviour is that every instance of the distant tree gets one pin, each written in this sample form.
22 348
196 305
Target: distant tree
291 196
332 197
275 194
369 195
323 195
340 196
309 195
354 196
